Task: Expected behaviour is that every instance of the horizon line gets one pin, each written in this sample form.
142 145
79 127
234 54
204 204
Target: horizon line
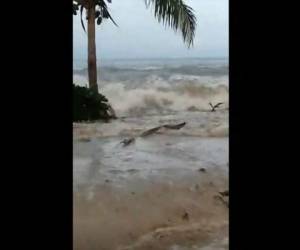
153 58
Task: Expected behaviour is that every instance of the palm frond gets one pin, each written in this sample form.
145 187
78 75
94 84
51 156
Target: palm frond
177 15
104 10
101 10
82 23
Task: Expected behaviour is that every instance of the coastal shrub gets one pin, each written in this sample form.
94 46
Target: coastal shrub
88 105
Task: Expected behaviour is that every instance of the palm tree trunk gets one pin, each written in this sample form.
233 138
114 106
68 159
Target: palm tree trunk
92 61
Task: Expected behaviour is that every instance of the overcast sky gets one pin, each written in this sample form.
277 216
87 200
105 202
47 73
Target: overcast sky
139 34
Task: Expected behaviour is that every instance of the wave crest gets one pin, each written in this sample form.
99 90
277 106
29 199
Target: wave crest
162 100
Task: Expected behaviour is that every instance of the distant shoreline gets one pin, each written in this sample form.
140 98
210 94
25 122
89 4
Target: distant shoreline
157 58
81 63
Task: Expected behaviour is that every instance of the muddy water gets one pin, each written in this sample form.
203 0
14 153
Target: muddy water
150 194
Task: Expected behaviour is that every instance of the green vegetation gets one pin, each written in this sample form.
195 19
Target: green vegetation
88 105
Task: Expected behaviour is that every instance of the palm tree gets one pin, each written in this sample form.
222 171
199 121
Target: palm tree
173 13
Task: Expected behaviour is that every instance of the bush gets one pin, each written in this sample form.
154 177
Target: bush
88 105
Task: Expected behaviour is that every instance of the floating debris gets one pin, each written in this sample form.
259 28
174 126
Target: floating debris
185 216
222 199
127 141
224 193
213 107
177 126
151 131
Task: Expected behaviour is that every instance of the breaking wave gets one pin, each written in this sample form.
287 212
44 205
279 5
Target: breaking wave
160 100
161 87
159 96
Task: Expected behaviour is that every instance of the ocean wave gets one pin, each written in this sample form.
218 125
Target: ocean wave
164 99
158 96
115 73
